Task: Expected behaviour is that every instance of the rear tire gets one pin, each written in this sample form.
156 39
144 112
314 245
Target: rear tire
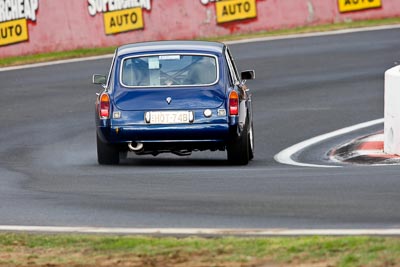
251 143
106 154
238 151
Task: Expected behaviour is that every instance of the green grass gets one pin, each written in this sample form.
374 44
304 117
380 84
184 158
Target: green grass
85 250
310 29
29 59
19 60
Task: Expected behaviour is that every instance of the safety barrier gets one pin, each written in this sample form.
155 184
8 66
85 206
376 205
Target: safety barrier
34 26
392 111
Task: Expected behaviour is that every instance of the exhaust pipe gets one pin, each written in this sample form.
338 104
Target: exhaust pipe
135 147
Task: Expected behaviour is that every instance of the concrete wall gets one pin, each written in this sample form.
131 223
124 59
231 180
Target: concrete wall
67 24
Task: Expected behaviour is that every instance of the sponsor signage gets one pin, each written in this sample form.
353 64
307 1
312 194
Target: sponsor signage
120 15
14 16
233 10
355 5
123 21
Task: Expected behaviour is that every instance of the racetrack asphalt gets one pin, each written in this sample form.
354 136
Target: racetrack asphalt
305 87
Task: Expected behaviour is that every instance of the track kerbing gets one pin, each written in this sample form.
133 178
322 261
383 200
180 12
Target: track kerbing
285 156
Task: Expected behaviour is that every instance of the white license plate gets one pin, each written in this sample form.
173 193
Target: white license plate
169 117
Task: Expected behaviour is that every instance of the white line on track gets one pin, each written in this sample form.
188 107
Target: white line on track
315 34
51 63
252 40
202 231
285 156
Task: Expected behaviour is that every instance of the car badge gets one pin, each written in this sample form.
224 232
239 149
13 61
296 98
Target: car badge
168 99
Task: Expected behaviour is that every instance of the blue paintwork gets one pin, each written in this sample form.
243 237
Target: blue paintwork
182 98
208 133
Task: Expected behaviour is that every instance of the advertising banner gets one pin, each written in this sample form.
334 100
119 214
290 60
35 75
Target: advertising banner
355 5
233 10
14 16
120 15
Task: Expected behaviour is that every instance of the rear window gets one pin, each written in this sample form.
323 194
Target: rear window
169 70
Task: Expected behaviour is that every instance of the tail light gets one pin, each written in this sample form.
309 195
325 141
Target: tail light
104 110
233 103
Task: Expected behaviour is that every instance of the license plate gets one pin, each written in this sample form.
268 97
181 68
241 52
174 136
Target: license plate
169 117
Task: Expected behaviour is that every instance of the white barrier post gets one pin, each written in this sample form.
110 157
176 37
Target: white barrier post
392 111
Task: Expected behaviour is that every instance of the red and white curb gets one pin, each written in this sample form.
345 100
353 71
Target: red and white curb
202 231
365 150
286 156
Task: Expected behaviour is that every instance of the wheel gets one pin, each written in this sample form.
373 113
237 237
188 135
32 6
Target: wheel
251 143
238 150
106 154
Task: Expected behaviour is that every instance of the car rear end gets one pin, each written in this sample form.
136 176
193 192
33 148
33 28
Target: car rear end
166 101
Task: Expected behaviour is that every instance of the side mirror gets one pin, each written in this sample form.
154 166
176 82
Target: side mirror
99 79
248 75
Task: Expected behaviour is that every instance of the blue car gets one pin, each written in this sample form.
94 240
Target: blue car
174 97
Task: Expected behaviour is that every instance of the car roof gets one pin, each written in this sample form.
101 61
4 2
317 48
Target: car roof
163 46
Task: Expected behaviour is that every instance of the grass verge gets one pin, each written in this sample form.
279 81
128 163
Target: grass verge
92 250
20 60
38 58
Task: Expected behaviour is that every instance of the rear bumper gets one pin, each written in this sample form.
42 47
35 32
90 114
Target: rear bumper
193 133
